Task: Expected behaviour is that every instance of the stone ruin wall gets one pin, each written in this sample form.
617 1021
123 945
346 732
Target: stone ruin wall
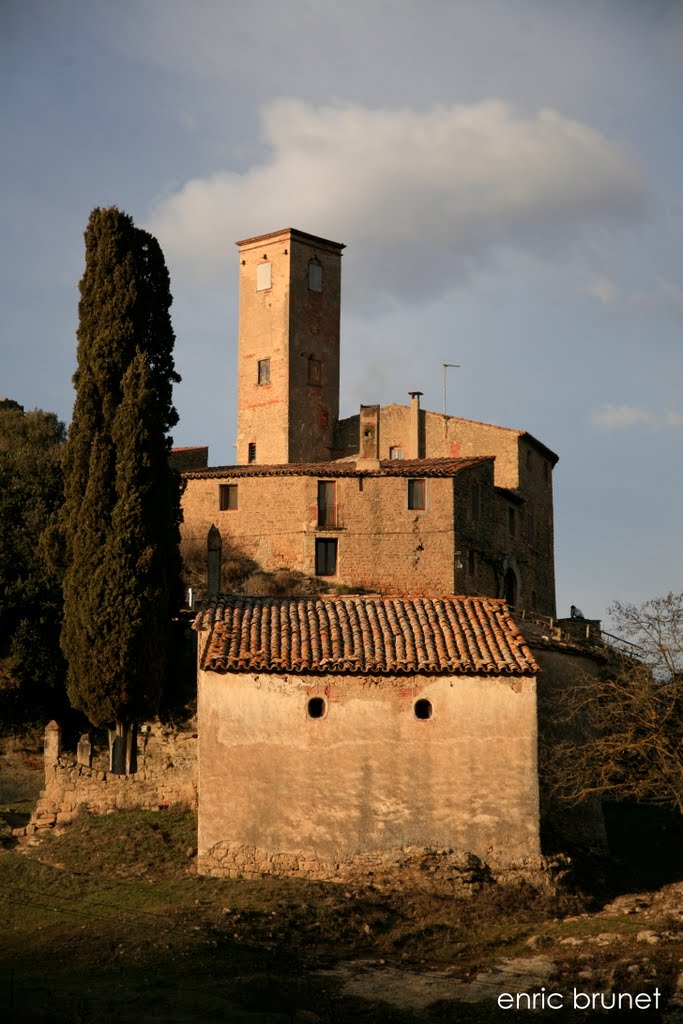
166 776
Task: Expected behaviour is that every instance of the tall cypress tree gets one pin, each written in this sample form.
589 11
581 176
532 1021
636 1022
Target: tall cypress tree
122 501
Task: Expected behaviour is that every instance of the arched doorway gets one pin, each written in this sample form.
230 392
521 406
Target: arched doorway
510 587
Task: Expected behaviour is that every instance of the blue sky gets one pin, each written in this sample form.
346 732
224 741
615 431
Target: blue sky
506 177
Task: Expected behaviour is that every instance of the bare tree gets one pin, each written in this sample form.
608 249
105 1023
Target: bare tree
624 729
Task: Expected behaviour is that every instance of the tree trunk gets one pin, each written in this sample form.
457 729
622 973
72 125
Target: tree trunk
123 749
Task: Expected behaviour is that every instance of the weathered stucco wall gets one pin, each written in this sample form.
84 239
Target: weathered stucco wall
282 792
582 825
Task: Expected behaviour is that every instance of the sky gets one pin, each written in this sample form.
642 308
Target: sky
505 174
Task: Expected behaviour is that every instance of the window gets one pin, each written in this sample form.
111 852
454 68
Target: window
264 276
264 371
475 501
512 522
327 503
325 556
227 497
251 452
395 452
423 709
315 275
416 494
316 707
510 587
315 371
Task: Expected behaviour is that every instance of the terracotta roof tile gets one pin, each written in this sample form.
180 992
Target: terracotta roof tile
388 467
354 634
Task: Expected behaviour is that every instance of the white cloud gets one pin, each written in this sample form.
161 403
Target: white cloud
603 289
422 198
618 417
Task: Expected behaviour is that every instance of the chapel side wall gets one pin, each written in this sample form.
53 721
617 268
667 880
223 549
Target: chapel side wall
369 775
382 545
582 825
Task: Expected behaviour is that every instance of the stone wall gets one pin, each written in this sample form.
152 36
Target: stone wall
291 415
382 544
411 869
166 776
520 526
193 457
583 825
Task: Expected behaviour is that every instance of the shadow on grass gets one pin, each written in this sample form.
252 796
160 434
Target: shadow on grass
646 844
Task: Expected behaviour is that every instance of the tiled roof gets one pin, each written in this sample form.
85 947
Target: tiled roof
373 635
388 467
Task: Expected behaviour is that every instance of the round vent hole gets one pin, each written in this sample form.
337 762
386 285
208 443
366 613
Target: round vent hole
423 709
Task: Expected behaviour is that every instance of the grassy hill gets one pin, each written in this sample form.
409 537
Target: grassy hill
108 921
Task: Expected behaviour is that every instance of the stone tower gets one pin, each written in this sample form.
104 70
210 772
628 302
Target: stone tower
288 347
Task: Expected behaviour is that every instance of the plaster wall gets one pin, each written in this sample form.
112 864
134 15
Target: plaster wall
369 776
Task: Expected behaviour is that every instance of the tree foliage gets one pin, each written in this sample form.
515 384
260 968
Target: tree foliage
122 507
627 724
31 665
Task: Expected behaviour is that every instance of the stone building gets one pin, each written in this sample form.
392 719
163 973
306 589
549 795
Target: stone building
338 736
396 499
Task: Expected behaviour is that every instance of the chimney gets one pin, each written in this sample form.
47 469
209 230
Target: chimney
368 442
416 438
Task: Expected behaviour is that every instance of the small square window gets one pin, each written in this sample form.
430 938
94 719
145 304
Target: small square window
251 452
325 556
395 452
264 276
416 494
264 371
227 497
